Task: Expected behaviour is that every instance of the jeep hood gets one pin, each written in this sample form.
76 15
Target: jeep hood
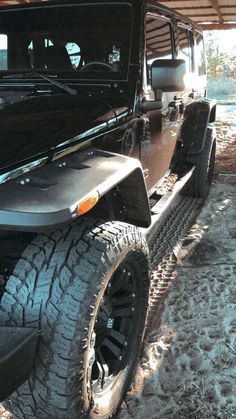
33 127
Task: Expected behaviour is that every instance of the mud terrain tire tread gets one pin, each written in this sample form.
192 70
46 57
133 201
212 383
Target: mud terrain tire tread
53 286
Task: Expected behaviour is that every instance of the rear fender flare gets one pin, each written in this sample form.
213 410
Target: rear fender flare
197 117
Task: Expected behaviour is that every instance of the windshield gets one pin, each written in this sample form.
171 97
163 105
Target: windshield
75 41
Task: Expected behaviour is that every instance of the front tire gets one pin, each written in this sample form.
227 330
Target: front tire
86 289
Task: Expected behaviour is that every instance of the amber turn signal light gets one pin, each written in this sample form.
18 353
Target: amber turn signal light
88 203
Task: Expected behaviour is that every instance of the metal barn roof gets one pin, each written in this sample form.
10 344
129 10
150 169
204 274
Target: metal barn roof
210 14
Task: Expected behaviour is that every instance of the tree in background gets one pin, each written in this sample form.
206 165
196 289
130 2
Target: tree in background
221 68
220 64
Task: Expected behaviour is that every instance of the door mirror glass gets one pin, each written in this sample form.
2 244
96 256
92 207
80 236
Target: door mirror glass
168 75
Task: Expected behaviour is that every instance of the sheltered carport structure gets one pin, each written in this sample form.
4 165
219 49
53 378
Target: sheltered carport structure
210 14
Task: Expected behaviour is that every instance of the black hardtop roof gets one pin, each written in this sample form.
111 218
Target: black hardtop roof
12 4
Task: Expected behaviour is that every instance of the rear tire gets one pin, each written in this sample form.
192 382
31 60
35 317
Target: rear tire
200 182
86 288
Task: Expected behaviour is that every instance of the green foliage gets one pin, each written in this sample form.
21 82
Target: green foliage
221 70
220 64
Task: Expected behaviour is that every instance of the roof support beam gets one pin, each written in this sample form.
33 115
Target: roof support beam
216 7
194 16
217 26
177 1
205 8
215 15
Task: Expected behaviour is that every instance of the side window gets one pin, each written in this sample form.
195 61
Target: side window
158 40
200 54
185 49
3 52
73 50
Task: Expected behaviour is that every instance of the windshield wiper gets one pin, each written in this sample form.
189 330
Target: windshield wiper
42 76
62 86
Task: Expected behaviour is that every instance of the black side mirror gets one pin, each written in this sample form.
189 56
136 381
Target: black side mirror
168 75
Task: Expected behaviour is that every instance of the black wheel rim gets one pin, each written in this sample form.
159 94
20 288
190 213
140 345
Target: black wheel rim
114 330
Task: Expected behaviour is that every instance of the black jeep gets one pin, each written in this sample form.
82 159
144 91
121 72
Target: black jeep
101 104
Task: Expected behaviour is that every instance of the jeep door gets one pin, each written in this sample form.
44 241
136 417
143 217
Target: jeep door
161 125
159 131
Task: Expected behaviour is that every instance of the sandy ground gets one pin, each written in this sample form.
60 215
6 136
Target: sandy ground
188 366
226 139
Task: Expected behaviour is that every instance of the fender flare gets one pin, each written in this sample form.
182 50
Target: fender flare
49 196
197 117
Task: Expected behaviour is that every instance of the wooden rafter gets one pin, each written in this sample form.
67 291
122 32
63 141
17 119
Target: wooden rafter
206 8
216 7
202 15
209 14
194 16
212 3
211 18
195 8
179 1
217 26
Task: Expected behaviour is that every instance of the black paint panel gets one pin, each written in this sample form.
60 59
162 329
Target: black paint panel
49 195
